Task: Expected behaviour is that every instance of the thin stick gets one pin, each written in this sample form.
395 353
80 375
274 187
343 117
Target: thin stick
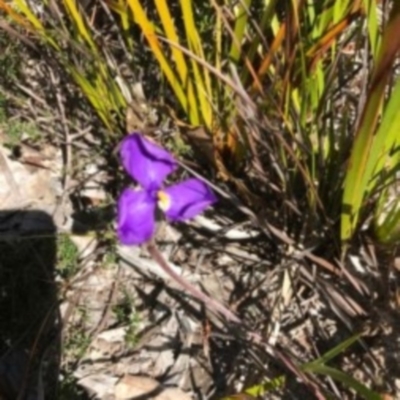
198 294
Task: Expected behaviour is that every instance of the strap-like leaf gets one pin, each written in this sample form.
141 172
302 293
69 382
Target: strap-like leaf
363 160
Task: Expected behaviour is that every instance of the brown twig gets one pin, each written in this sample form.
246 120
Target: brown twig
208 301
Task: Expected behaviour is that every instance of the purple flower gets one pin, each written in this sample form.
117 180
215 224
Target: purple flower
149 165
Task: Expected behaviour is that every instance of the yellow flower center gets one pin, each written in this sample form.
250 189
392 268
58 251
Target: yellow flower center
164 201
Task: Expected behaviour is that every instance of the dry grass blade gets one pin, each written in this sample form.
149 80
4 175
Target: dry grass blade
14 33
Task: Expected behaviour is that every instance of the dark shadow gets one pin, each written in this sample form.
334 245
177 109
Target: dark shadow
29 315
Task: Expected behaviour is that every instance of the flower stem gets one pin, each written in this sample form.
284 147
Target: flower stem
198 294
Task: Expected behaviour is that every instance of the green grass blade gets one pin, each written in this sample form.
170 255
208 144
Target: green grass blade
170 33
242 16
317 366
372 25
149 32
78 20
386 141
359 172
348 381
329 355
387 135
202 81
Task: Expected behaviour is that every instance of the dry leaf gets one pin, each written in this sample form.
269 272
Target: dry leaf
99 384
134 386
173 394
201 143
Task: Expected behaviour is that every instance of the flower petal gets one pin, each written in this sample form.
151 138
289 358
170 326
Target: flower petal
146 162
136 216
187 199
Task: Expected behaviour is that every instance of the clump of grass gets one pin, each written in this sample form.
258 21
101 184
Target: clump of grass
74 348
9 58
77 343
178 146
131 337
69 389
67 257
77 339
110 258
16 130
126 315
